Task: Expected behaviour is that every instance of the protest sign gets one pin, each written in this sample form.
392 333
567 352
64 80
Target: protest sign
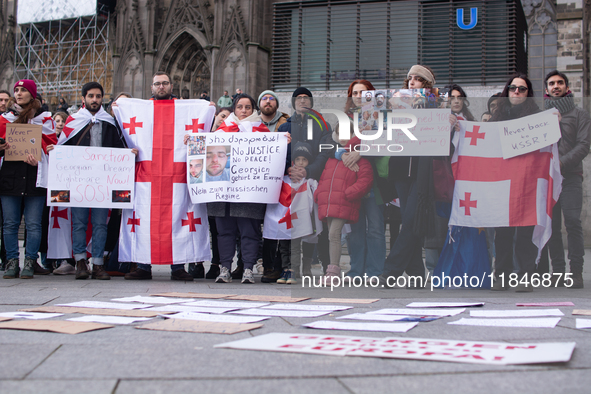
93 177
430 126
528 134
236 167
24 139
474 352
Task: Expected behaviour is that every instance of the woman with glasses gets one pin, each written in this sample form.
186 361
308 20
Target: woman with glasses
515 102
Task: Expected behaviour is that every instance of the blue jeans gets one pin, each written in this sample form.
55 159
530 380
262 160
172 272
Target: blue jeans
407 253
99 233
367 240
33 211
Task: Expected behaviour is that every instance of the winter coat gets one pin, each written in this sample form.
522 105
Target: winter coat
575 127
111 137
340 190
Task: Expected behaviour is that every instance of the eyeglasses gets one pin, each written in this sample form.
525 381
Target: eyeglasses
270 98
522 89
302 98
158 84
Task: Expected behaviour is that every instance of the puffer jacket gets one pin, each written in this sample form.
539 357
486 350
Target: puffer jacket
573 147
340 190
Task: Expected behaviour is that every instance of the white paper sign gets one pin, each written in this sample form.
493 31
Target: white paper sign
30 315
93 177
109 319
196 309
548 322
517 313
443 304
227 304
105 305
418 312
236 167
495 353
583 323
341 325
373 316
280 313
153 300
432 131
528 134
307 307
215 318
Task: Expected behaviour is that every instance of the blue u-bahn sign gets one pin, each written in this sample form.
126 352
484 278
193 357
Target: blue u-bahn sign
473 18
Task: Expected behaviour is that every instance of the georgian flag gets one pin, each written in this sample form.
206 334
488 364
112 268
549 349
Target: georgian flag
253 123
164 227
78 121
49 138
59 236
293 217
493 192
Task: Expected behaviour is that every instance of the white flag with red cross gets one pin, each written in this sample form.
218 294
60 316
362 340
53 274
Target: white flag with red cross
59 235
253 123
165 227
494 192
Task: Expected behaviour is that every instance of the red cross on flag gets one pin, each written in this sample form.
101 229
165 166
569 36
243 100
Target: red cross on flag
165 227
494 192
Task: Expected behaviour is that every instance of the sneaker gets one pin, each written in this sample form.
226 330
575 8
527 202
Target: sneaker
12 269
285 275
82 269
577 281
65 268
181 275
291 278
38 270
28 268
98 272
138 274
247 276
238 272
214 271
198 271
271 276
259 267
331 270
224 276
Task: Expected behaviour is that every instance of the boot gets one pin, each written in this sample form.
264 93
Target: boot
307 266
38 270
98 272
82 269
214 271
577 280
28 268
12 269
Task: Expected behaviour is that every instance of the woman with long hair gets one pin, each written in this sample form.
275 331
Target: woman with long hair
60 119
459 103
21 182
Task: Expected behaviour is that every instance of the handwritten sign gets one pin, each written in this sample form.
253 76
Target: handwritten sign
236 167
93 177
432 130
24 139
528 134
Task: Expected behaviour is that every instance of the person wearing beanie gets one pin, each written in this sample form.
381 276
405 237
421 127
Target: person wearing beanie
269 112
22 183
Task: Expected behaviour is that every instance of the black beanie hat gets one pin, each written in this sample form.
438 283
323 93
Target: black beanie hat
301 90
302 149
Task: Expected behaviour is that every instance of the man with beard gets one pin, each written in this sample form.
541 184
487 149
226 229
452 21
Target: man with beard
4 97
575 129
270 115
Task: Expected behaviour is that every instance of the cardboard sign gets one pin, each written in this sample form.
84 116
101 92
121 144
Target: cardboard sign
24 139
92 177
200 326
431 129
96 311
474 352
264 298
193 295
236 167
59 326
529 133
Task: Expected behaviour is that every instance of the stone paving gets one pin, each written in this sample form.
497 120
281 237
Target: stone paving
127 360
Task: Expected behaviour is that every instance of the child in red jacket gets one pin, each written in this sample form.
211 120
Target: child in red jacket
339 197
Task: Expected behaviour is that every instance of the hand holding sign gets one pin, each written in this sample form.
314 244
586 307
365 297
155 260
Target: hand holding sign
23 140
528 134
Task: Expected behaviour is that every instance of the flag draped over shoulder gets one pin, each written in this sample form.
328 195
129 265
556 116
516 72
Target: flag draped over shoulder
48 138
253 123
76 122
493 192
164 227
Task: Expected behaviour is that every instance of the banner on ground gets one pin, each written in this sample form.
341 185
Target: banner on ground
528 134
92 177
236 167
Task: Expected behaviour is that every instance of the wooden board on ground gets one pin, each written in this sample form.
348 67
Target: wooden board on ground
59 326
193 295
199 326
5 318
347 300
584 312
264 298
97 311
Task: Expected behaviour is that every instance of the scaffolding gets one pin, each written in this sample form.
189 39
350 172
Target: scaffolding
62 55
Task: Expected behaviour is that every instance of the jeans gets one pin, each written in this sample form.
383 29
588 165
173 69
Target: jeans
99 233
11 209
367 240
250 234
569 205
407 253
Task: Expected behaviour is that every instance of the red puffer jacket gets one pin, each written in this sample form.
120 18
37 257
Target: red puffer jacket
340 190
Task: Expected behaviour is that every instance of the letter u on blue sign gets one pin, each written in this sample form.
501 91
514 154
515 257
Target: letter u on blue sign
473 18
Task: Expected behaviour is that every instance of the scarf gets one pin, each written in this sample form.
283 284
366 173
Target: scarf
563 104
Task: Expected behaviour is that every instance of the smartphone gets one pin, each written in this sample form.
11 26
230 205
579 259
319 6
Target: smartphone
2 141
